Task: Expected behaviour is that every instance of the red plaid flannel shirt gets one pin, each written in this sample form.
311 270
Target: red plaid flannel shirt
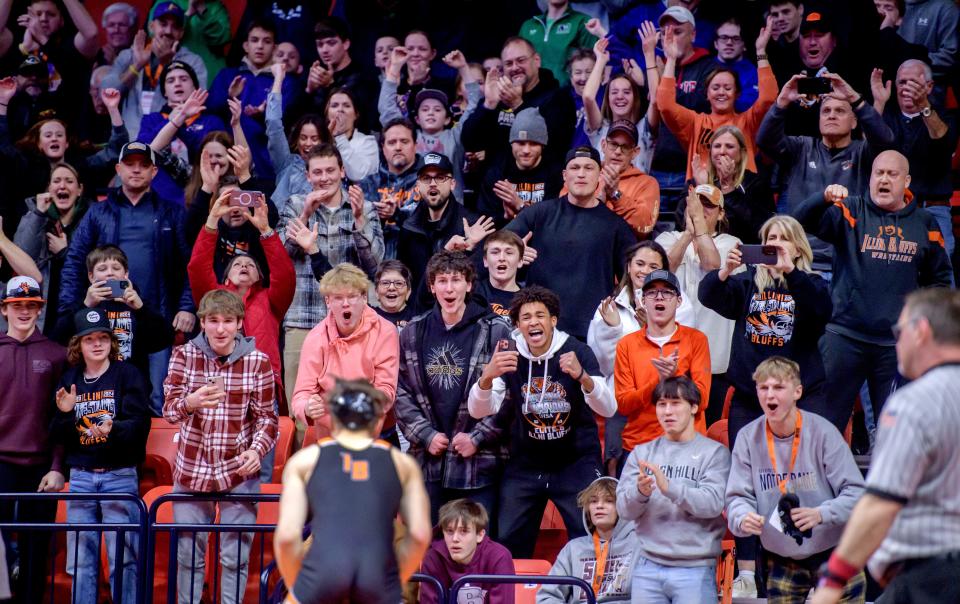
211 439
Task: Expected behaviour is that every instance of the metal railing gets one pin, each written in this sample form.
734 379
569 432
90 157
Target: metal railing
120 529
522 579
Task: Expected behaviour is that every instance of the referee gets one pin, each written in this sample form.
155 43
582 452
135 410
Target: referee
908 521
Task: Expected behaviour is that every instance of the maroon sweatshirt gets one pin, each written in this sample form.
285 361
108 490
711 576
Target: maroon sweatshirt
29 374
490 559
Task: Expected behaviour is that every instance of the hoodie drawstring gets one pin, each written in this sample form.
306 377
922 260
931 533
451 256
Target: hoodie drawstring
543 387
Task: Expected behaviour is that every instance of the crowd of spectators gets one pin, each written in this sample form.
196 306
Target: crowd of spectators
562 238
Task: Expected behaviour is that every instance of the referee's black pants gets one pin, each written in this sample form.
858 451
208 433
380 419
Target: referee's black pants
925 580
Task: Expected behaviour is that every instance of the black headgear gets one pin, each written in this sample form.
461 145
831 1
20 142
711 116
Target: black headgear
354 409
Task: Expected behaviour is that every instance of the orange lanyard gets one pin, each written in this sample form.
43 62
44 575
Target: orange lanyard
793 453
153 79
601 553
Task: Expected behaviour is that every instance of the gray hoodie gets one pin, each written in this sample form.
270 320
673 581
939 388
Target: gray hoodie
934 24
684 526
825 476
578 558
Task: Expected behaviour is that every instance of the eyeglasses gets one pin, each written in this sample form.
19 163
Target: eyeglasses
623 148
388 284
341 299
654 294
734 39
442 179
519 61
897 329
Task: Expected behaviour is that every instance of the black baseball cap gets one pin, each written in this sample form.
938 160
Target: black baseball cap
817 21
435 160
91 320
33 66
137 148
662 276
582 151
625 126
430 93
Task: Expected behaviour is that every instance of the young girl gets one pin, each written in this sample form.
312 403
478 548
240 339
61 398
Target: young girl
45 230
604 557
102 423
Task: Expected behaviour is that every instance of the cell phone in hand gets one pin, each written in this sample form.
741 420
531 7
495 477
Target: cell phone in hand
506 345
117 287
216 381
246 199
758 254
814 86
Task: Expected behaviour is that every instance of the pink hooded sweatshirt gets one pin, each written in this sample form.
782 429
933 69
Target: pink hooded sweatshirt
372 352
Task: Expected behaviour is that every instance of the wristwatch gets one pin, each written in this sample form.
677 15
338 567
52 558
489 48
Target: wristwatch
926 111
616 195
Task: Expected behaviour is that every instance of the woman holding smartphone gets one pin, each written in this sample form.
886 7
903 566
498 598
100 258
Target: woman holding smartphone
102 423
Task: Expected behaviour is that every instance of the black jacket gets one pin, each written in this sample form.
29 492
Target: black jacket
420 239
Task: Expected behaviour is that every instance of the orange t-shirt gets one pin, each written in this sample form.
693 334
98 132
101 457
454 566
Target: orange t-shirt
635 378
693 129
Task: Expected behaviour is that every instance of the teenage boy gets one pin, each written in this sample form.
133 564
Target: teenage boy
660 349
545 393
441 355
351 233
673 488
354 486
793 482
250 83
140 330
463 548
502 255
611 542
220 390
30 369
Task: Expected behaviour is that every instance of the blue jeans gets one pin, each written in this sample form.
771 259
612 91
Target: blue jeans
942 216
192 547
158 362
86 578
658 584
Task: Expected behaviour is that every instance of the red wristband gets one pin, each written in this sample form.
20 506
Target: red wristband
840 569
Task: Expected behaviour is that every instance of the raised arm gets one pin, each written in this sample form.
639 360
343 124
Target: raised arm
86 39
593 116
19 260
415 513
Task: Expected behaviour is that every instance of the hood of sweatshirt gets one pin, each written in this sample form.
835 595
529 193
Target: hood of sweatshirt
546 84
245 345
559 339
36 336
623 528
476 309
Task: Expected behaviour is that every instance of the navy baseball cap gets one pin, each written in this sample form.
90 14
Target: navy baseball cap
435 160
582 151
662 276
137 148
91 320
169 8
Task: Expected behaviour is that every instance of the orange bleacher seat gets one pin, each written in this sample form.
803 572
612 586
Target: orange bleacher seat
526 593
726 403
552 536
284 447
726 569
718 432
157 468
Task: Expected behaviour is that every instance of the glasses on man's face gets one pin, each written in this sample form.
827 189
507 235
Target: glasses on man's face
730 39
659 294
519 61
343 300
388 284
442 179
621 147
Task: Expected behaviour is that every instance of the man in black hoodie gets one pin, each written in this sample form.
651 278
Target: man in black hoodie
523 84
885 247
441 355
439 222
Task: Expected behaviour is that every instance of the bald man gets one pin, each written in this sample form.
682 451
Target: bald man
886 247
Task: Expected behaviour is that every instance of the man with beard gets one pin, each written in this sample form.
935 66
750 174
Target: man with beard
522 84
441 355
352 234
393 189
575 226
523 178
138 72
439 222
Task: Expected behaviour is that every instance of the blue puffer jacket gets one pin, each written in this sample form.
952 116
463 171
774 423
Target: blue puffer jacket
101 225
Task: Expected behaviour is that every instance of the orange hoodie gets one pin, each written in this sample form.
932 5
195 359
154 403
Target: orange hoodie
640 201
635 378
693 129
372 352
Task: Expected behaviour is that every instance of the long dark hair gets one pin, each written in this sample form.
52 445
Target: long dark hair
632 251
318 122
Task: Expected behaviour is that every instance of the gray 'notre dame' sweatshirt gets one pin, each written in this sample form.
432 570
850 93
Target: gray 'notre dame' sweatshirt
825 477
684 526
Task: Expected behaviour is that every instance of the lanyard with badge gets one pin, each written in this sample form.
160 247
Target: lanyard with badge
795 448
601 552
